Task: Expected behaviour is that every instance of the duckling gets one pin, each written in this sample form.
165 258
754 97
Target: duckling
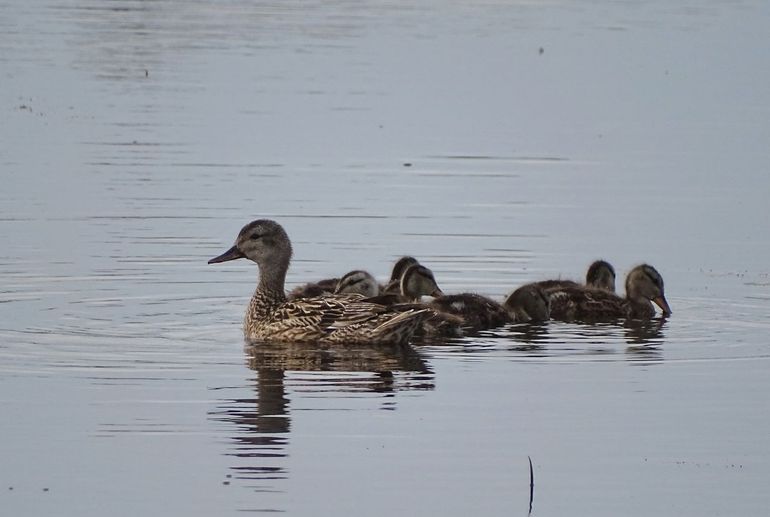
417 281
643 285
394 284
329 285
476 312
528 303
328 320
412 287
314 289
358 281
601 275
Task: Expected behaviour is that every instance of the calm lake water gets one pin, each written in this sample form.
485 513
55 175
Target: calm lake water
500 142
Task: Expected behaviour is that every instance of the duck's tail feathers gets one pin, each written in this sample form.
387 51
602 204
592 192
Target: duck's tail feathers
400 328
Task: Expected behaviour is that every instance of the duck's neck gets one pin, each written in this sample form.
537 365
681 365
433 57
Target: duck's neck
269 293
640 307
272 278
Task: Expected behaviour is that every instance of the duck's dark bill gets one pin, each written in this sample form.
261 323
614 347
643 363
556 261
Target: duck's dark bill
231 254
663 304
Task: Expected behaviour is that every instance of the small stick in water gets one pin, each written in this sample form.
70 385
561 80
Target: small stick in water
531 485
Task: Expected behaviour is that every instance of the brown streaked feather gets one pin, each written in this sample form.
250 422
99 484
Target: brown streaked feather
332 319
477 312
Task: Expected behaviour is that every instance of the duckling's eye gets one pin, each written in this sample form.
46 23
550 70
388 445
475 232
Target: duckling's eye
254 236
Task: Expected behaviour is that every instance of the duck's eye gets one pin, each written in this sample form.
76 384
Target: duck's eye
254 236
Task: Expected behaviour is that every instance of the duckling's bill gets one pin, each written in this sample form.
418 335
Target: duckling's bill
231 254
661 302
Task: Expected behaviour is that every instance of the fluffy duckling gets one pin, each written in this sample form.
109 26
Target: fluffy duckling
330 285
476 312
417 281
358 281
643 286
394 284
601 275
529 303
328 320
314 289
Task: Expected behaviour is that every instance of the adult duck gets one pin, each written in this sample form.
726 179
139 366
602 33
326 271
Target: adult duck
326 320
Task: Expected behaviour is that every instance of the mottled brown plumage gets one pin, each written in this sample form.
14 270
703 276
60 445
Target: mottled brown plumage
394 284
358 282
313 289
601 275
643 286
476 312
528 303
332 319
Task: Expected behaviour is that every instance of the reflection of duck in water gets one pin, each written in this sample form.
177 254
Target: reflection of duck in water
349 358
261 423
643 286
644 332
533 335
334 319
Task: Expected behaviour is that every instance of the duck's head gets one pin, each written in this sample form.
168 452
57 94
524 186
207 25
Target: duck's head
418 281
644 282
529 303
400 266
601 275
263 241
360 282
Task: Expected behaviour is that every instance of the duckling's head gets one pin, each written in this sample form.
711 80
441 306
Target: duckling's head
263 241
644 282
360 282
601 275
418 281
400 266
529 303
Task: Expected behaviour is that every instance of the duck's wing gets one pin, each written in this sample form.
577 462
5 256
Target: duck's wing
570 303
317 318
477 312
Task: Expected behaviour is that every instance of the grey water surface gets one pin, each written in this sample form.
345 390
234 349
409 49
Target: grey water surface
500 142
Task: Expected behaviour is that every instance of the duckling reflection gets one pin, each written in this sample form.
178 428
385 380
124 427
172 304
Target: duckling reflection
644 332
532 335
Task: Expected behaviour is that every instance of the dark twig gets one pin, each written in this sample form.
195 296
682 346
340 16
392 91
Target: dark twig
531 485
